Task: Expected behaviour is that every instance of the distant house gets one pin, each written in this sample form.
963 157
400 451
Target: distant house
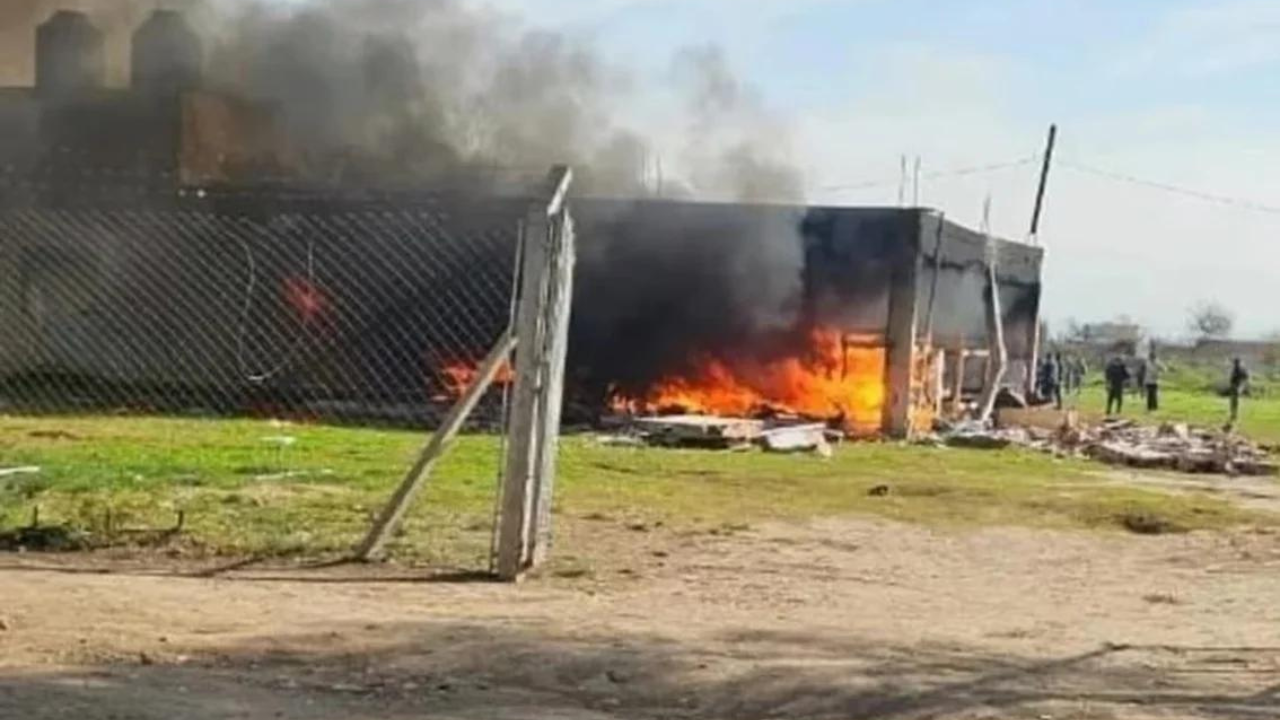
1112 335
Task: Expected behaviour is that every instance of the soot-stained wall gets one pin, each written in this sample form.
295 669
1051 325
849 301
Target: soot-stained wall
661 283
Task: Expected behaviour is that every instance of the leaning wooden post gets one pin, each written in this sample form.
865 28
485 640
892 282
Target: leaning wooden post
393 514
559 306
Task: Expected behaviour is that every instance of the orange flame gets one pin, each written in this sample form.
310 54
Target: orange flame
460 376
306 299
833 378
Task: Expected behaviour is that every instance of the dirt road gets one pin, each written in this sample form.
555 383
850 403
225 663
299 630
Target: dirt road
841 619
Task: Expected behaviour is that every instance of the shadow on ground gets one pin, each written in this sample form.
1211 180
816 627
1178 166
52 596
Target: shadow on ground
448 670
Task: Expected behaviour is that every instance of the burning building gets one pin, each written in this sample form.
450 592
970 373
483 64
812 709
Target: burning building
824 312
144 261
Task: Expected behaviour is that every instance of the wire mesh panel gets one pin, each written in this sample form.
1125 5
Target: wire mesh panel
240 339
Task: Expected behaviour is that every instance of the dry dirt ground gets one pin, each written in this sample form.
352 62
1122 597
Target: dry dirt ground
838 619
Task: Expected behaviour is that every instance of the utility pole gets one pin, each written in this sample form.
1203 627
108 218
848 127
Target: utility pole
915 184
1034 239
1044 183
902 180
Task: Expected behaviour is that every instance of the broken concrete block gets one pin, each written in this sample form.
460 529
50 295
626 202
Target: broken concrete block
798 438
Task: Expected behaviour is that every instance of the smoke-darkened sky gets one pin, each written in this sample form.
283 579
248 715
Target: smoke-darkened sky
423 87
1175 91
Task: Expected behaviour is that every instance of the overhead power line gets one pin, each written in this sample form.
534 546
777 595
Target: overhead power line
1242 203
955 172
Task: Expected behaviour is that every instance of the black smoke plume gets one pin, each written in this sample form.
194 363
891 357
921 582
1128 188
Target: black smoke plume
427 90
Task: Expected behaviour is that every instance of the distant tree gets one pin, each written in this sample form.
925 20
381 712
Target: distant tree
1073 331
1210 320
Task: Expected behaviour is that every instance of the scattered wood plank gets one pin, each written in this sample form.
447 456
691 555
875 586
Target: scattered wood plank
701 431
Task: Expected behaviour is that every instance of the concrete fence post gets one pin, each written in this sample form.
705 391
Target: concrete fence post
533 430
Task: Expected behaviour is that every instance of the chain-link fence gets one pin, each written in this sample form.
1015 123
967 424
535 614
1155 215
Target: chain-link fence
224 337
338 310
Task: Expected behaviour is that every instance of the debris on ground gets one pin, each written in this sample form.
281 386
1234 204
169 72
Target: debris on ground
1171 446
621 440
1010 398
25 470
700 431
982 436
778 435
796 438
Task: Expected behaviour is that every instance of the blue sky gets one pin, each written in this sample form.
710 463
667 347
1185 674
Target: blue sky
1186 93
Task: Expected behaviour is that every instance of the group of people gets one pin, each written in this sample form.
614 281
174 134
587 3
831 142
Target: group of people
1146 377
1058 375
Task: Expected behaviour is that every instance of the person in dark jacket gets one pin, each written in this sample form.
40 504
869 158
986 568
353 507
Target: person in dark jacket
1050 380
1117 376
1236 386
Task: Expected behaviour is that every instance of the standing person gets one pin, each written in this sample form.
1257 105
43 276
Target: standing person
1237 383
1151 380
1065 373
1051 379
1056 378
1078 372
1117 375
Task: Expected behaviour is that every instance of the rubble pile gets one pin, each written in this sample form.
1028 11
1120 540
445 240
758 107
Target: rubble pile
719 433
1171 447
1174 447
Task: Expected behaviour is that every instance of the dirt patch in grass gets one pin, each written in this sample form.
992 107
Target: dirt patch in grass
1148 523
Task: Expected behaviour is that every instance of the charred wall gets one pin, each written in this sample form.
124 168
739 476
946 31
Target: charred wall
663 285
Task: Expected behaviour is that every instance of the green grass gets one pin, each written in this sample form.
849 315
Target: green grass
244 494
